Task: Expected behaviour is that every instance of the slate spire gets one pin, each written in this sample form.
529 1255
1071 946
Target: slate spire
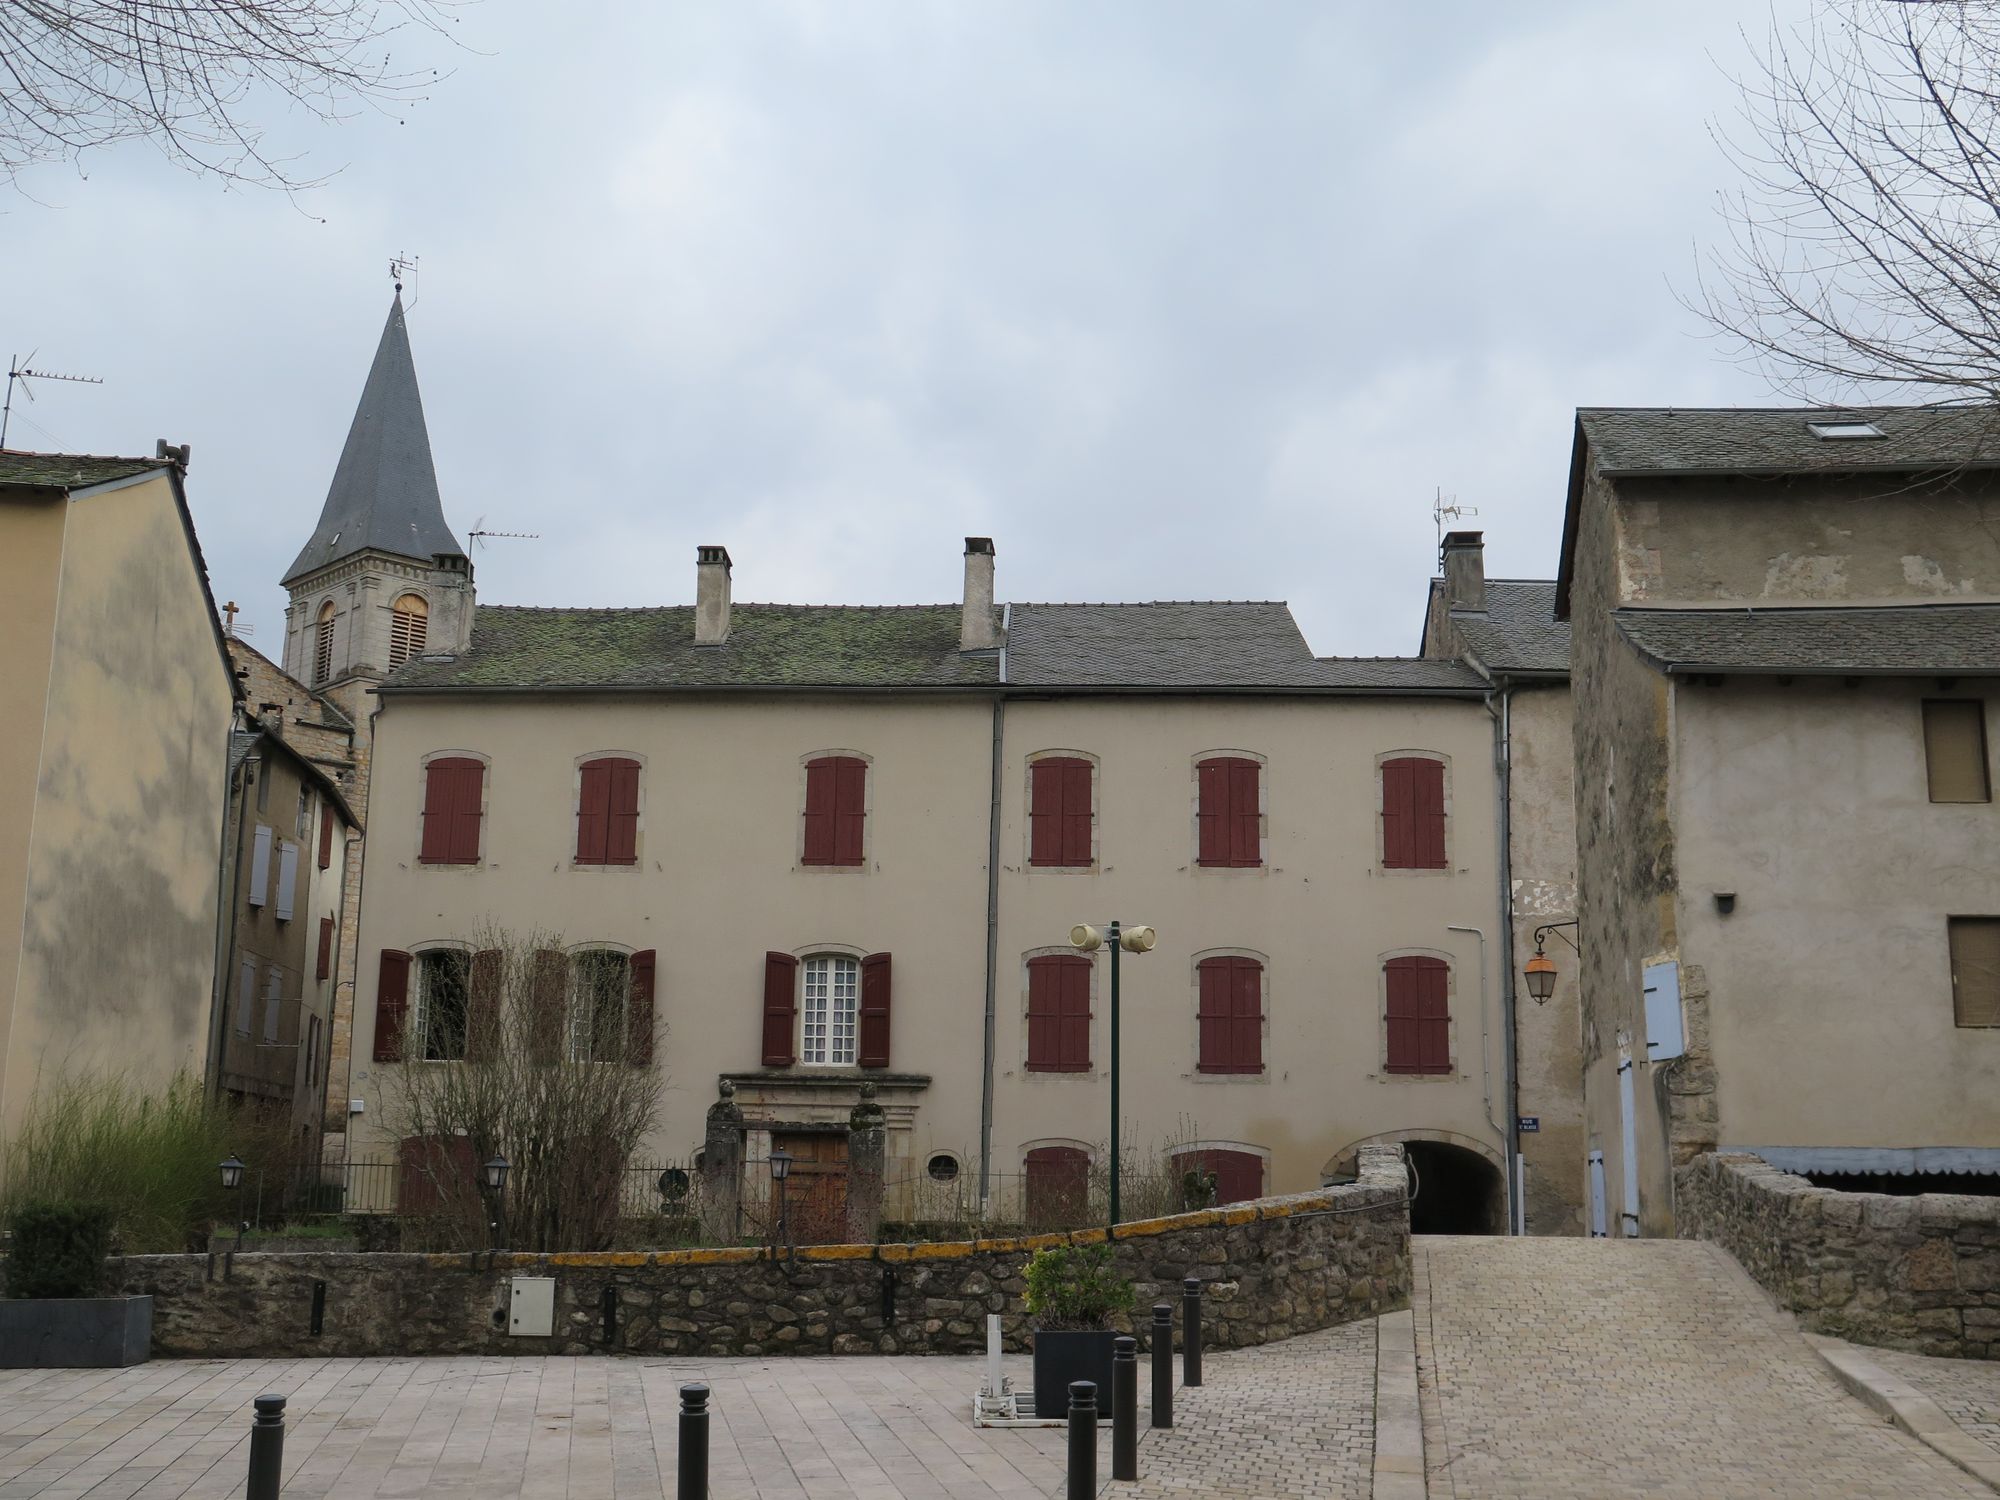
384 494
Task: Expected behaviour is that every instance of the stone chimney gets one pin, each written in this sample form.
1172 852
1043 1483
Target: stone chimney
1465 571
976 630
711 595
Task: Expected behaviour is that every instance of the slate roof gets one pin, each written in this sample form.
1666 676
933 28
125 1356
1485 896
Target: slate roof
1926 640
70 471
769 645
1519 631
1740 440
1053 647
384 494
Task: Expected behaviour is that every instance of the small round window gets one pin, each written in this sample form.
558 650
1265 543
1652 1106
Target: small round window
943 1167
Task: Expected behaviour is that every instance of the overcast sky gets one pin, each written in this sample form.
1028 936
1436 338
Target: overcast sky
1173 300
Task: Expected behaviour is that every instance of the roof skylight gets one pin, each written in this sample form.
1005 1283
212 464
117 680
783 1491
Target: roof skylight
1843 431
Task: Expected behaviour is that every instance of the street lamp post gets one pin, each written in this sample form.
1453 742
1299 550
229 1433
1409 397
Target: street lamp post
1088 939
232 1182
781 1168
495 1172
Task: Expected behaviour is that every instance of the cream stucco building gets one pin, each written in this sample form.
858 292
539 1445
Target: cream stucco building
850 845
1787 630
115 715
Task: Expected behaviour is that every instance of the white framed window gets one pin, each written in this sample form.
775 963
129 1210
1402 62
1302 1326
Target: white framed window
439 1014
827 1019
600 983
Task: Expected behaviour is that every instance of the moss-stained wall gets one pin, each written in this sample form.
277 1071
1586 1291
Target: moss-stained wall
118 914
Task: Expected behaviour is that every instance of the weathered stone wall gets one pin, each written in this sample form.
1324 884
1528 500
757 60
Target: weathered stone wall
1918 1273
1273 1268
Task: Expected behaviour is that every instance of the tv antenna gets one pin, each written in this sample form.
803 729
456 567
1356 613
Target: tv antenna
404 267
1446 508
19 373
478 535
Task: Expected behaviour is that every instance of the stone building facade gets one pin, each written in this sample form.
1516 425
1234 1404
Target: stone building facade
1506 630
1785 647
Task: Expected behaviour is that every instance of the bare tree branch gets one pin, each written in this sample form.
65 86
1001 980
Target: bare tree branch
189 75
1862 253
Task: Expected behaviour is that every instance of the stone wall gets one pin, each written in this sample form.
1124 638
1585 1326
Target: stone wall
1918 1273
1273 1268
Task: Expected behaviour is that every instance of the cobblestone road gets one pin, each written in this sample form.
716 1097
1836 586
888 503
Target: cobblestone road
1967 1389
1611 1368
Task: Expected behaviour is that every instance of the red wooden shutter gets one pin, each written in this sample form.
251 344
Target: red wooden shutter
639 1012
850 810
1245 826
1428 814
392 999
621 844
1246 1015
324 966
871 1041
454 789
1399 850
593 813
548 1007
482 1005
1212 1017
1419 1015
1059 1013
1239 1175
1076 811
1058 1187
1045 819
781 1009
819 813
325 835
1212 812
1413 814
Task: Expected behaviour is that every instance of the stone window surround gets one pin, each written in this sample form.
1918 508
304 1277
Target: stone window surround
1382 1073
1194 1073
1096 864
1227 872
577 763
1450 818
867 865
415 833
1040 1075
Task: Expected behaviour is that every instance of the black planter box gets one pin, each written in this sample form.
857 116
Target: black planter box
1066 1354
43 1333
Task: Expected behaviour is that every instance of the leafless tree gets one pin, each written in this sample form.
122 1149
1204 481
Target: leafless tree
532 1053
189 74
1863 248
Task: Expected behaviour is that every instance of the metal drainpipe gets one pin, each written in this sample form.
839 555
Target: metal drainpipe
1503 765
992 924
225 871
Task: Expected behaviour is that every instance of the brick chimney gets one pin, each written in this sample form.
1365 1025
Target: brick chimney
1465 571
711 595
976 630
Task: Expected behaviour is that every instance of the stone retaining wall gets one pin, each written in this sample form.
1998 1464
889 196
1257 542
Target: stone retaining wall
1920 1273
1273 1268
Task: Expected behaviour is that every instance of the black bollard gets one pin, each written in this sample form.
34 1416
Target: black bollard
267 1448
1125 1407
1082 1440
694 1443
1163 1364
1191 1332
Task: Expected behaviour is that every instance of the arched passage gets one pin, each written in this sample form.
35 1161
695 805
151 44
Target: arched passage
1458 1185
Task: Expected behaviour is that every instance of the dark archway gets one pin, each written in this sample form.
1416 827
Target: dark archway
1457 1191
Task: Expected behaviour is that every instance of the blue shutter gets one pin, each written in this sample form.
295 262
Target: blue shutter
260 867
1664 1035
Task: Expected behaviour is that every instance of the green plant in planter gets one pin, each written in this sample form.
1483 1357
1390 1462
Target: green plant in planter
58 1249
1075 1286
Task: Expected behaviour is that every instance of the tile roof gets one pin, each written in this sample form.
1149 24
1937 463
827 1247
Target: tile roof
1055 647
1519 631
1746 440
70 471
769 645
1925 639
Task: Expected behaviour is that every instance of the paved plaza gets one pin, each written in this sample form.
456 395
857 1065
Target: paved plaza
1612 1368
1293 1420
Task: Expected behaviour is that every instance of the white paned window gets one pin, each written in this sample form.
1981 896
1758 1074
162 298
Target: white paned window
599 982
833 991
274 1002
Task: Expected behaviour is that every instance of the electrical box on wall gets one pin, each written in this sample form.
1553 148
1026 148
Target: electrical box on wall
531 1306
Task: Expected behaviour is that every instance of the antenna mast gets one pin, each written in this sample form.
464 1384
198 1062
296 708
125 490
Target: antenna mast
1446 508
403 267
19 373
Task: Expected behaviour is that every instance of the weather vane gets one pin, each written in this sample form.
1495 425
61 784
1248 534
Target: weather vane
401 267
